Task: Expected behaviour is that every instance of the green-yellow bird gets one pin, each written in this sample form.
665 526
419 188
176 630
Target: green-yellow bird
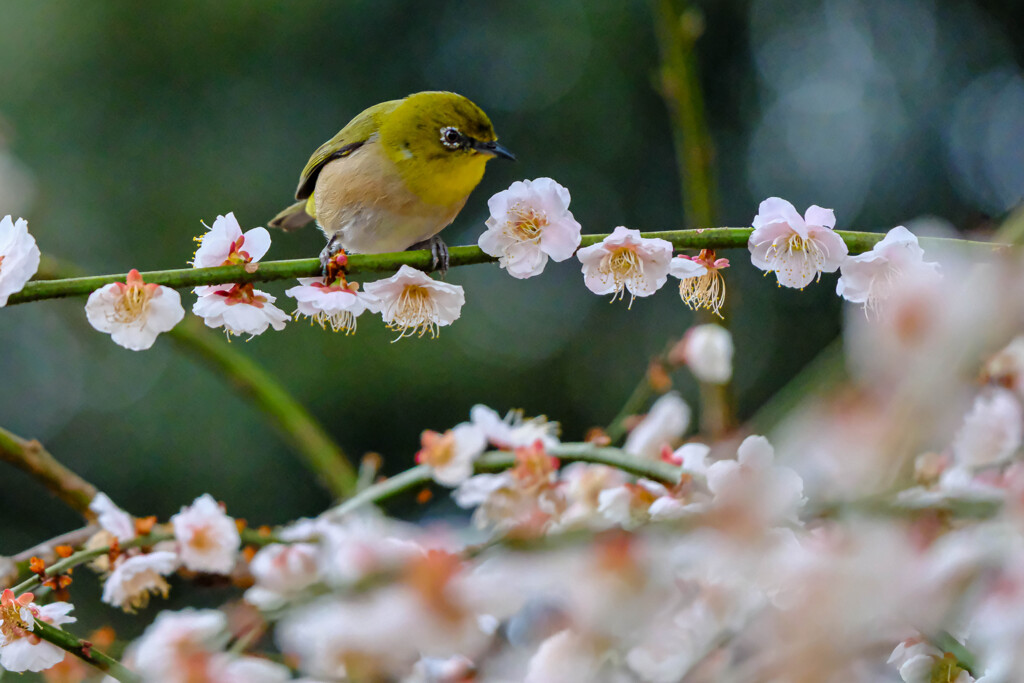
395 176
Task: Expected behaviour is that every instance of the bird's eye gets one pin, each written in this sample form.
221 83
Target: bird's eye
451 137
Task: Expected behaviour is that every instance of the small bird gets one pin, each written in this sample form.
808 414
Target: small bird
395 176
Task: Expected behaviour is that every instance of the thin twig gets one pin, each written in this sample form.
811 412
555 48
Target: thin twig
30 456
45 551
709 238
84 650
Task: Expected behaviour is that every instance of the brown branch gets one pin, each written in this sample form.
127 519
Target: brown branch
31 457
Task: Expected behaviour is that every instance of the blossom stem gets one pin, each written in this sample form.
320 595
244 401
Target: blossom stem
322 455
709 238
46 551
502 460
947 643
30 456
83 650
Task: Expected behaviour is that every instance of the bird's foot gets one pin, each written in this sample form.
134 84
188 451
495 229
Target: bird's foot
333 260
439 257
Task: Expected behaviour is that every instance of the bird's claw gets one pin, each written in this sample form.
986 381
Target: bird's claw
439 257
332 260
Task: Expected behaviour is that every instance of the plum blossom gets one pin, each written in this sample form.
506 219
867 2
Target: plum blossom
134 313
871 278
224 244
19 257
179 647
707 350
450 455
701 285
514 431
412 303
208 539
112 518
665 423
20 649
239 309
919 662
136 577
530 222
992 431
753 482
282 572
337 304
626 261
796 249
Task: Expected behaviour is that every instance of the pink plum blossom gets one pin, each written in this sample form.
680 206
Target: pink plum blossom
208 540
224 244
626 261
992 430
19 257
412 303
20 649
707 350
530 222
337 304
796 249
664 424
134 313
239 309
701 285
870 278
450 455
282 572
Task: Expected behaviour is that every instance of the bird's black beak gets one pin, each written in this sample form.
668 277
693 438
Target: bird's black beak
494 149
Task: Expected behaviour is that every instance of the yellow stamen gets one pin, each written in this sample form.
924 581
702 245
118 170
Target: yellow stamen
414 313
132 304
625 267
704 291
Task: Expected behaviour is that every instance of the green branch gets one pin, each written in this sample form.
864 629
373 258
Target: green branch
358 264
83 650
497 461
322 455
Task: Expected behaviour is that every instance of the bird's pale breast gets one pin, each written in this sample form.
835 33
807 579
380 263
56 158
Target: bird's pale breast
363 197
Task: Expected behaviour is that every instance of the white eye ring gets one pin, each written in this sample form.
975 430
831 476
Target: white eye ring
445 139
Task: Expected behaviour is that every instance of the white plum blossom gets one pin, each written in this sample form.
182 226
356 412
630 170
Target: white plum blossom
19 257
701 285
530 222
134 313
208 540
136 577
112 518
514 431
626 261
797 249
707 350
337 304
450 455
992 431
665 423
565 656
179 647
412 303
754 483
871 278
20 649
282 571
239 309
224 244
920 662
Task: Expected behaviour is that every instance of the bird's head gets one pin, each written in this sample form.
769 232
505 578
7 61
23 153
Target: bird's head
441 141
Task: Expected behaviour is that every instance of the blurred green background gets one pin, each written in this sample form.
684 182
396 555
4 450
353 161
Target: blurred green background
127 123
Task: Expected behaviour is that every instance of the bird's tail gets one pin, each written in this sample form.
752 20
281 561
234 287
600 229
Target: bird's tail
292 218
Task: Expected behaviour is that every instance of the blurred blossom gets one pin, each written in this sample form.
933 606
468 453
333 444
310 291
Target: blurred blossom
664 424
565 656
134 313
870 278
136 577
19 257
412 303
625 260
178 646
282 572
754 485
707 350
1006 368
797 249
530 222
514 431
450 455
991 432
207 538
112 519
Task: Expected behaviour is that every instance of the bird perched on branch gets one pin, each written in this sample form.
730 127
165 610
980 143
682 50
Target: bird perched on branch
395 176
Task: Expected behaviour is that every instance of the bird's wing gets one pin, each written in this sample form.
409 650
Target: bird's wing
350 138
